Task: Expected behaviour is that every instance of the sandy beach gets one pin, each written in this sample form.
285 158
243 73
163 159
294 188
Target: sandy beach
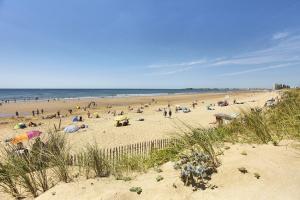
155 126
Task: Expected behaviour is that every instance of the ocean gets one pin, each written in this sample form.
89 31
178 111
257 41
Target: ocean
44 94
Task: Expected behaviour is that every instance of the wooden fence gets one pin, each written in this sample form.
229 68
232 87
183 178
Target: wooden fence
114 154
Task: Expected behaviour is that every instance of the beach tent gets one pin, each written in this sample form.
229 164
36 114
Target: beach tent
121 118
71 129
25 136
75 119
20 126
186 110
226 116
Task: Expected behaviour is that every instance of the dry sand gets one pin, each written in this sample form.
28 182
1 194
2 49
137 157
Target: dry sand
278 166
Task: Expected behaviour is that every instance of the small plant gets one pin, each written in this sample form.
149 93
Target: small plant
243 170
226 147
96 162
138 190
157 169
196 168
159 178
275 143
257 175
124 178
159 157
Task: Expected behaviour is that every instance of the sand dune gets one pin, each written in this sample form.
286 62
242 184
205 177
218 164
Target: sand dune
278 166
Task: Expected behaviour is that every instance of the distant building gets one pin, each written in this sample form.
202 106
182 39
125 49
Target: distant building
278 86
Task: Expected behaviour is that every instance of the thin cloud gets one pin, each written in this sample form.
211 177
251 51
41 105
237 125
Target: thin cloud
197 62
285 50
281 35
259 69
171 72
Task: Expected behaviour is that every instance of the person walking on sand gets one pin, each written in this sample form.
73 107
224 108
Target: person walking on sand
42 111
37 111
170 113
165 113
33 113
17 114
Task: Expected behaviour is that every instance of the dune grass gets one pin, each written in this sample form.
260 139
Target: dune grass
94 162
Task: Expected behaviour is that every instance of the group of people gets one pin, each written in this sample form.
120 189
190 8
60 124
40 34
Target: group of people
167 113
37 112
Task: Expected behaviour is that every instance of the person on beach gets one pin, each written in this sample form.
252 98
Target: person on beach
21 150
37 111
58 114
42 111
194 104
165 113
17 114
170 113
33 113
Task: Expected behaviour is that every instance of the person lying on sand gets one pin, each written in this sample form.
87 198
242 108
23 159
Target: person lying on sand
21 150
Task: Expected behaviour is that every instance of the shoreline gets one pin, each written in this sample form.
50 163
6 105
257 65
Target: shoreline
120 95
25 108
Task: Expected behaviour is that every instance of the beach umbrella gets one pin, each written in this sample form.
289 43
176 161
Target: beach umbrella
20 138
33 134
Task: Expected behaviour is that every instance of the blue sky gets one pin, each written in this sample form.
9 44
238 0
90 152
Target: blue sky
149 43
